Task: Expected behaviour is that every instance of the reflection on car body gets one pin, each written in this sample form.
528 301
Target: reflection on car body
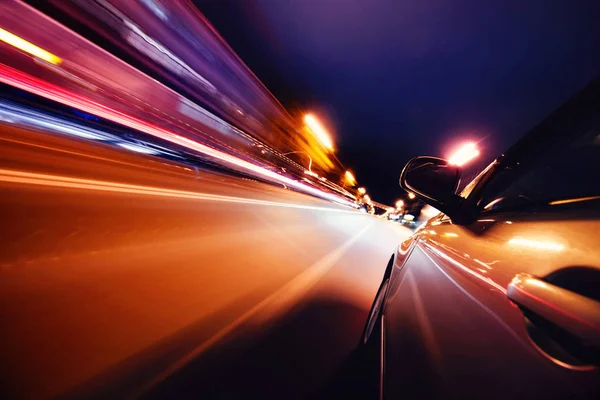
499 295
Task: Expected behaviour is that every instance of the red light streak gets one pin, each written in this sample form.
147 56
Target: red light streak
50 91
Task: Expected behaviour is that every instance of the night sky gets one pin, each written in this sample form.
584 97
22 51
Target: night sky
400 78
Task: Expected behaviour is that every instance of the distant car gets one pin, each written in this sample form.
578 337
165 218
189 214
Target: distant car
498 296
409 220
393 216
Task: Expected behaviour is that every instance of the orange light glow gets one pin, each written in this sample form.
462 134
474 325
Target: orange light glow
465 154
411 196
350 178
362 190
319 131
28 47
37 179
37 86
576 200
399 204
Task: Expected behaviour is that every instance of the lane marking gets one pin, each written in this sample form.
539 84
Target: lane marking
57 181
269 308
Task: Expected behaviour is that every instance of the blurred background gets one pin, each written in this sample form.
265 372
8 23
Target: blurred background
198 190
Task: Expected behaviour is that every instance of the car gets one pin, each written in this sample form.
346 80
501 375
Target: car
498 296
393 216
409 221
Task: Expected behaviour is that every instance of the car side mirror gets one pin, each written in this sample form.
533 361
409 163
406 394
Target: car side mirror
434 181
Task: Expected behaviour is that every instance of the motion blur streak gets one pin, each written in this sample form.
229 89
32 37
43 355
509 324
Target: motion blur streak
95 81
270 308
577 200
28 47
318 130
153 269
28 178
146 233
33 85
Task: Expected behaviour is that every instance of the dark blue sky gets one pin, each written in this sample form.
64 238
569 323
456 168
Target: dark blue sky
400 78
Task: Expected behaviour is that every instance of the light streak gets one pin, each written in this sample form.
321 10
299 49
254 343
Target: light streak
317 129
576 200
65 182
37 86
265 311
28 47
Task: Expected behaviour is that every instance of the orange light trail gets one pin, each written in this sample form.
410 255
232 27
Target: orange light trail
37 86
319 131
66 182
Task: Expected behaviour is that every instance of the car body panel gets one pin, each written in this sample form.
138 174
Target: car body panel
451 331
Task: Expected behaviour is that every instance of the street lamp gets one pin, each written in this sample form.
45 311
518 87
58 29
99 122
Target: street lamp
362 190
465 154
399 204
319 131
411 196
350 178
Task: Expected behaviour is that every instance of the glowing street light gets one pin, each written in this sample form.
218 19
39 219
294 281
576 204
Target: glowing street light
319 131
411 196
399 204
362 190
465 154
350 178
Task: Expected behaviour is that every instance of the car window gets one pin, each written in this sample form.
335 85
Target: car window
468 189
565 171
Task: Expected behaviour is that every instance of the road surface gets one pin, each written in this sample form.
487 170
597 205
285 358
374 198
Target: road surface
122 275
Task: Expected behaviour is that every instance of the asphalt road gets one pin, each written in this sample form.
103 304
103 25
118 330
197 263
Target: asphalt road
123 276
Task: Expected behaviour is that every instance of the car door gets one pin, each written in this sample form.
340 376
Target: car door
506 306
